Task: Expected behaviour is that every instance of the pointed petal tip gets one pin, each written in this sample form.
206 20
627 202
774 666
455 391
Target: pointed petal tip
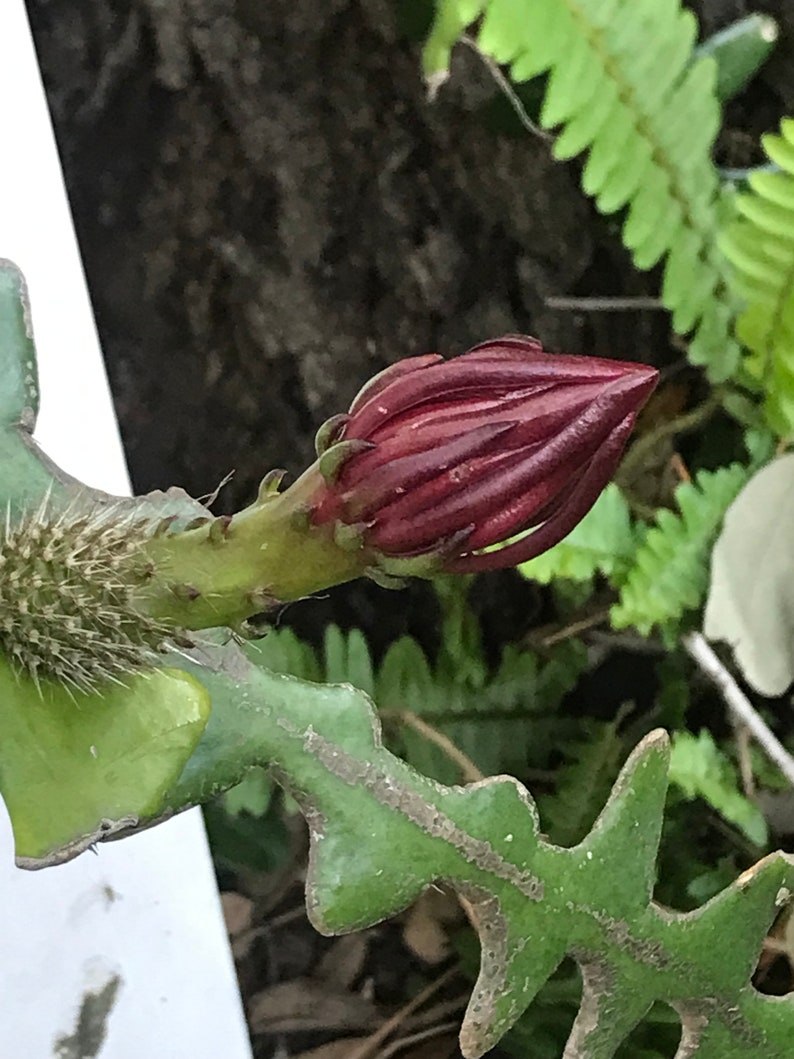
647 379
634 385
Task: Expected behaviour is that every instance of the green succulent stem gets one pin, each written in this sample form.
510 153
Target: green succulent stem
226 570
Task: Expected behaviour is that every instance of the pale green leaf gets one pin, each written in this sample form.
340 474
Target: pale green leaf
751 598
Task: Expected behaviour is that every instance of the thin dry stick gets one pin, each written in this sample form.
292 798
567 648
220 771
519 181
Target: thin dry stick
589 621
742 736
680 469
469 771
740 706
416 1038
367 1048
630 303
507 89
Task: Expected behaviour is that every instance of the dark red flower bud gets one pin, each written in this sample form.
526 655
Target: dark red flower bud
438 460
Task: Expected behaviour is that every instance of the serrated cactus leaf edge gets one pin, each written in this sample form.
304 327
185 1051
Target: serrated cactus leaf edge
381 833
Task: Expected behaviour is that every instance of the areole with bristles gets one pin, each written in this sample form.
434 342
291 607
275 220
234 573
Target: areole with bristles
67 580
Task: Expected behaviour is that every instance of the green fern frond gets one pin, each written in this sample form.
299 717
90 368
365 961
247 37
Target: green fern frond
760 245
670 572
516 702
624 86
699 768
591 769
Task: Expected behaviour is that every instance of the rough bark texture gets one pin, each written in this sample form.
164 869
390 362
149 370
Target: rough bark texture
270 210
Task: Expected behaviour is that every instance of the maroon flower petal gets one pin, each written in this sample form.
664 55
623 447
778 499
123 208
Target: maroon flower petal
539 411
528 509
449 381
561 524
370 390
405 474
434 506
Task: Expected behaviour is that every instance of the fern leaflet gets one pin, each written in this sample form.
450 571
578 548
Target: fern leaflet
591 768
699 768
625 87
516 702
670 572
760 245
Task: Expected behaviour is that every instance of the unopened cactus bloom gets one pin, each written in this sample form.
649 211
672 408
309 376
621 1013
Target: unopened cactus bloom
478 462
474 463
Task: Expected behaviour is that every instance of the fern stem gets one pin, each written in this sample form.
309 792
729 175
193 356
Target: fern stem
557 635
508 91
641 510
740 706
636 303
640 454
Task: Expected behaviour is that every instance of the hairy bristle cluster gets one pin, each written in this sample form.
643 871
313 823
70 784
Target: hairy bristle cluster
66 586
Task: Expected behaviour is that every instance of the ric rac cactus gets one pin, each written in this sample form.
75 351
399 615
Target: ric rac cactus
132 685
123 699
435 464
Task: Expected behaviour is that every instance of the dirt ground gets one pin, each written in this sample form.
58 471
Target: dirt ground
270 210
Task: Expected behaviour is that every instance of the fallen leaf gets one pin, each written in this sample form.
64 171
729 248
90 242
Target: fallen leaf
238 912
306 1004
344 961
425 927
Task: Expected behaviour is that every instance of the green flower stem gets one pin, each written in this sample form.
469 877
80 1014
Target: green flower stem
226 570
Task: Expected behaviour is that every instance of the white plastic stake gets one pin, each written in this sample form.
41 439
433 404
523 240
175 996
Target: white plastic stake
137 926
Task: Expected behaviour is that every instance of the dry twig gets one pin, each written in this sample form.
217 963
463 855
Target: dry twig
469 771
368 1048
744 713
